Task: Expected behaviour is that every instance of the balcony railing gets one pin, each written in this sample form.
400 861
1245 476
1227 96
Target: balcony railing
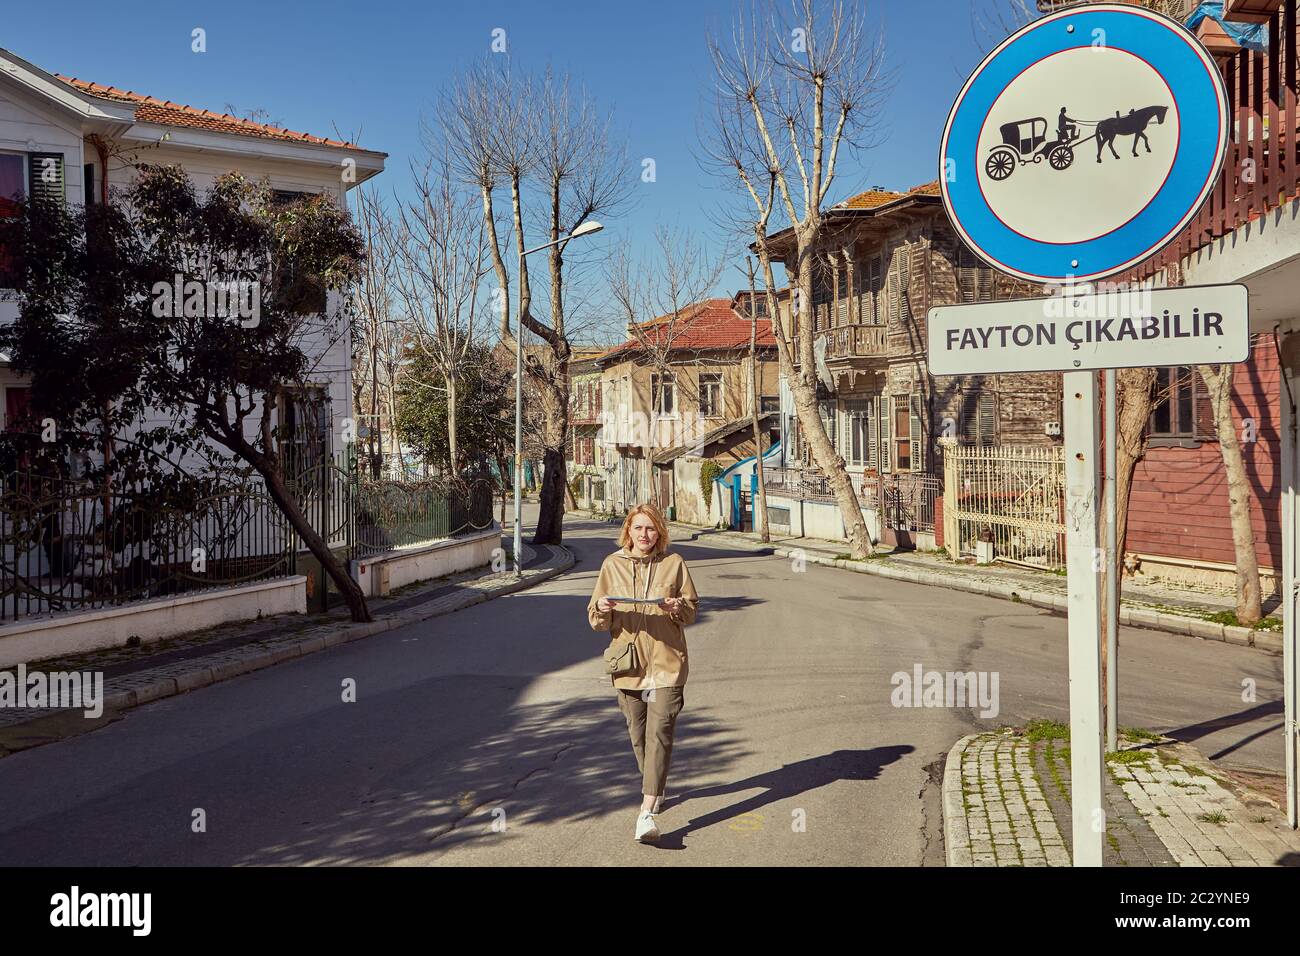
1262 169
857 341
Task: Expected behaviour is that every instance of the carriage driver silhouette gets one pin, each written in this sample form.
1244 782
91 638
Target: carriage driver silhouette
1066 129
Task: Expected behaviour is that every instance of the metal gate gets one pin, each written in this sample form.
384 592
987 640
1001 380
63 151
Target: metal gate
1011 495
906 507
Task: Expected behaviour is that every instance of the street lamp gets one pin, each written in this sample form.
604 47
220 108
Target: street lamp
586 229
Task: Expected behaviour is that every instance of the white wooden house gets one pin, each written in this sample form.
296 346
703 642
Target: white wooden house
76 139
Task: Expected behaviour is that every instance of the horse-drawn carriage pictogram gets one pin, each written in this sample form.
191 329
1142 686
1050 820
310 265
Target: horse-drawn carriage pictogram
1025 141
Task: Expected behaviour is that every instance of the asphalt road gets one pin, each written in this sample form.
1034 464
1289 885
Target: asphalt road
489 736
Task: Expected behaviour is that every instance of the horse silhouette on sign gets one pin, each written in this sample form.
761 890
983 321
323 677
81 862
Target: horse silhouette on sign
1134 124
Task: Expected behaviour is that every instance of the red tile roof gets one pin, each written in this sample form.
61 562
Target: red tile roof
713 324
150 109
879 197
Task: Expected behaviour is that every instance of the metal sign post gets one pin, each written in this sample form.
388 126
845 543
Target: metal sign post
1113 568
1087 812
1079 148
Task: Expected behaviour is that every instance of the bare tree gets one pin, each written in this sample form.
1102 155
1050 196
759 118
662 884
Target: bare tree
439 245
660 298
549 148
378 335
790 97
752 305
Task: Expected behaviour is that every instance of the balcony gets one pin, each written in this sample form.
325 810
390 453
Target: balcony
1262 170
856 345
856 341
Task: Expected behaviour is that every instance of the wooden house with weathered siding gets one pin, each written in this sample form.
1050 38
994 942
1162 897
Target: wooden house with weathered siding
885 259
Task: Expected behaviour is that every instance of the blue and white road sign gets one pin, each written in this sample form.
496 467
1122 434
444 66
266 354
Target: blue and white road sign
1084 143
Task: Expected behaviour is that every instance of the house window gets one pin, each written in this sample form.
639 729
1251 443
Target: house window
979 417
664 395
1182 406
768 403
305 431
974 279
17 400
13 189
869 293
711 395
858 447
902 430
13 183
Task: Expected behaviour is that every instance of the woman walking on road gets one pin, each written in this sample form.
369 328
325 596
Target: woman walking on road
644 597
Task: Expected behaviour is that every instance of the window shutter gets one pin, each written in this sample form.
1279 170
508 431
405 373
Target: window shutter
45 173
892 294
828 422
968 426
884 434
872 429
1203 409
904 310
988 416
875 312
918 435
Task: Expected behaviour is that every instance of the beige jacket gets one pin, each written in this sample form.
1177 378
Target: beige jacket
660 641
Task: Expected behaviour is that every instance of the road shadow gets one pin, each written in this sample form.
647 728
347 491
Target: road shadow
788 781
497 769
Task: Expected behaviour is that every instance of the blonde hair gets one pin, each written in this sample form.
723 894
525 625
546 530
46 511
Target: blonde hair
651 512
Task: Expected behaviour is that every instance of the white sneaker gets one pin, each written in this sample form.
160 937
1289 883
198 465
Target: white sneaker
646 829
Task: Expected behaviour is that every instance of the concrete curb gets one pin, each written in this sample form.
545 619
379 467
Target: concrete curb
203 676
956 834
1268 641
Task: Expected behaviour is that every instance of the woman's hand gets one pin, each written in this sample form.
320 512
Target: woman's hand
604 605
671 604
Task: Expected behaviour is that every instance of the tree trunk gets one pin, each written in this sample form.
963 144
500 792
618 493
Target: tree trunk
452 454
1132 412
1219 382
550 518
760 507
288 504
804 387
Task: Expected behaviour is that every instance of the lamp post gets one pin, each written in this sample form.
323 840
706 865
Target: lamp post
586 229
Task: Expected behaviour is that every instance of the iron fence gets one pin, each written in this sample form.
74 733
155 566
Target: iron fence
68 545
1011 495
65 545
391 515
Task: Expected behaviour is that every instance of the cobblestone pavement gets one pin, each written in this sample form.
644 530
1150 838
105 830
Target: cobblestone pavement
1006 803
137 675
1200 816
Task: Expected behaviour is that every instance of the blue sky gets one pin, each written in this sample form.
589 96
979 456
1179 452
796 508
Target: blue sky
374 66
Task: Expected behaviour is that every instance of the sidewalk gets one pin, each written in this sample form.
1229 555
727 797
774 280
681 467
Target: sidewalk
1160 607
1006 802
138 675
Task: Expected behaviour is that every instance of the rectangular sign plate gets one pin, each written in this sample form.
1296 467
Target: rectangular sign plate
1189 325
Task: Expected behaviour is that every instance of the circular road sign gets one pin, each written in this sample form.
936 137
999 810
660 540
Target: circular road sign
1084 143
